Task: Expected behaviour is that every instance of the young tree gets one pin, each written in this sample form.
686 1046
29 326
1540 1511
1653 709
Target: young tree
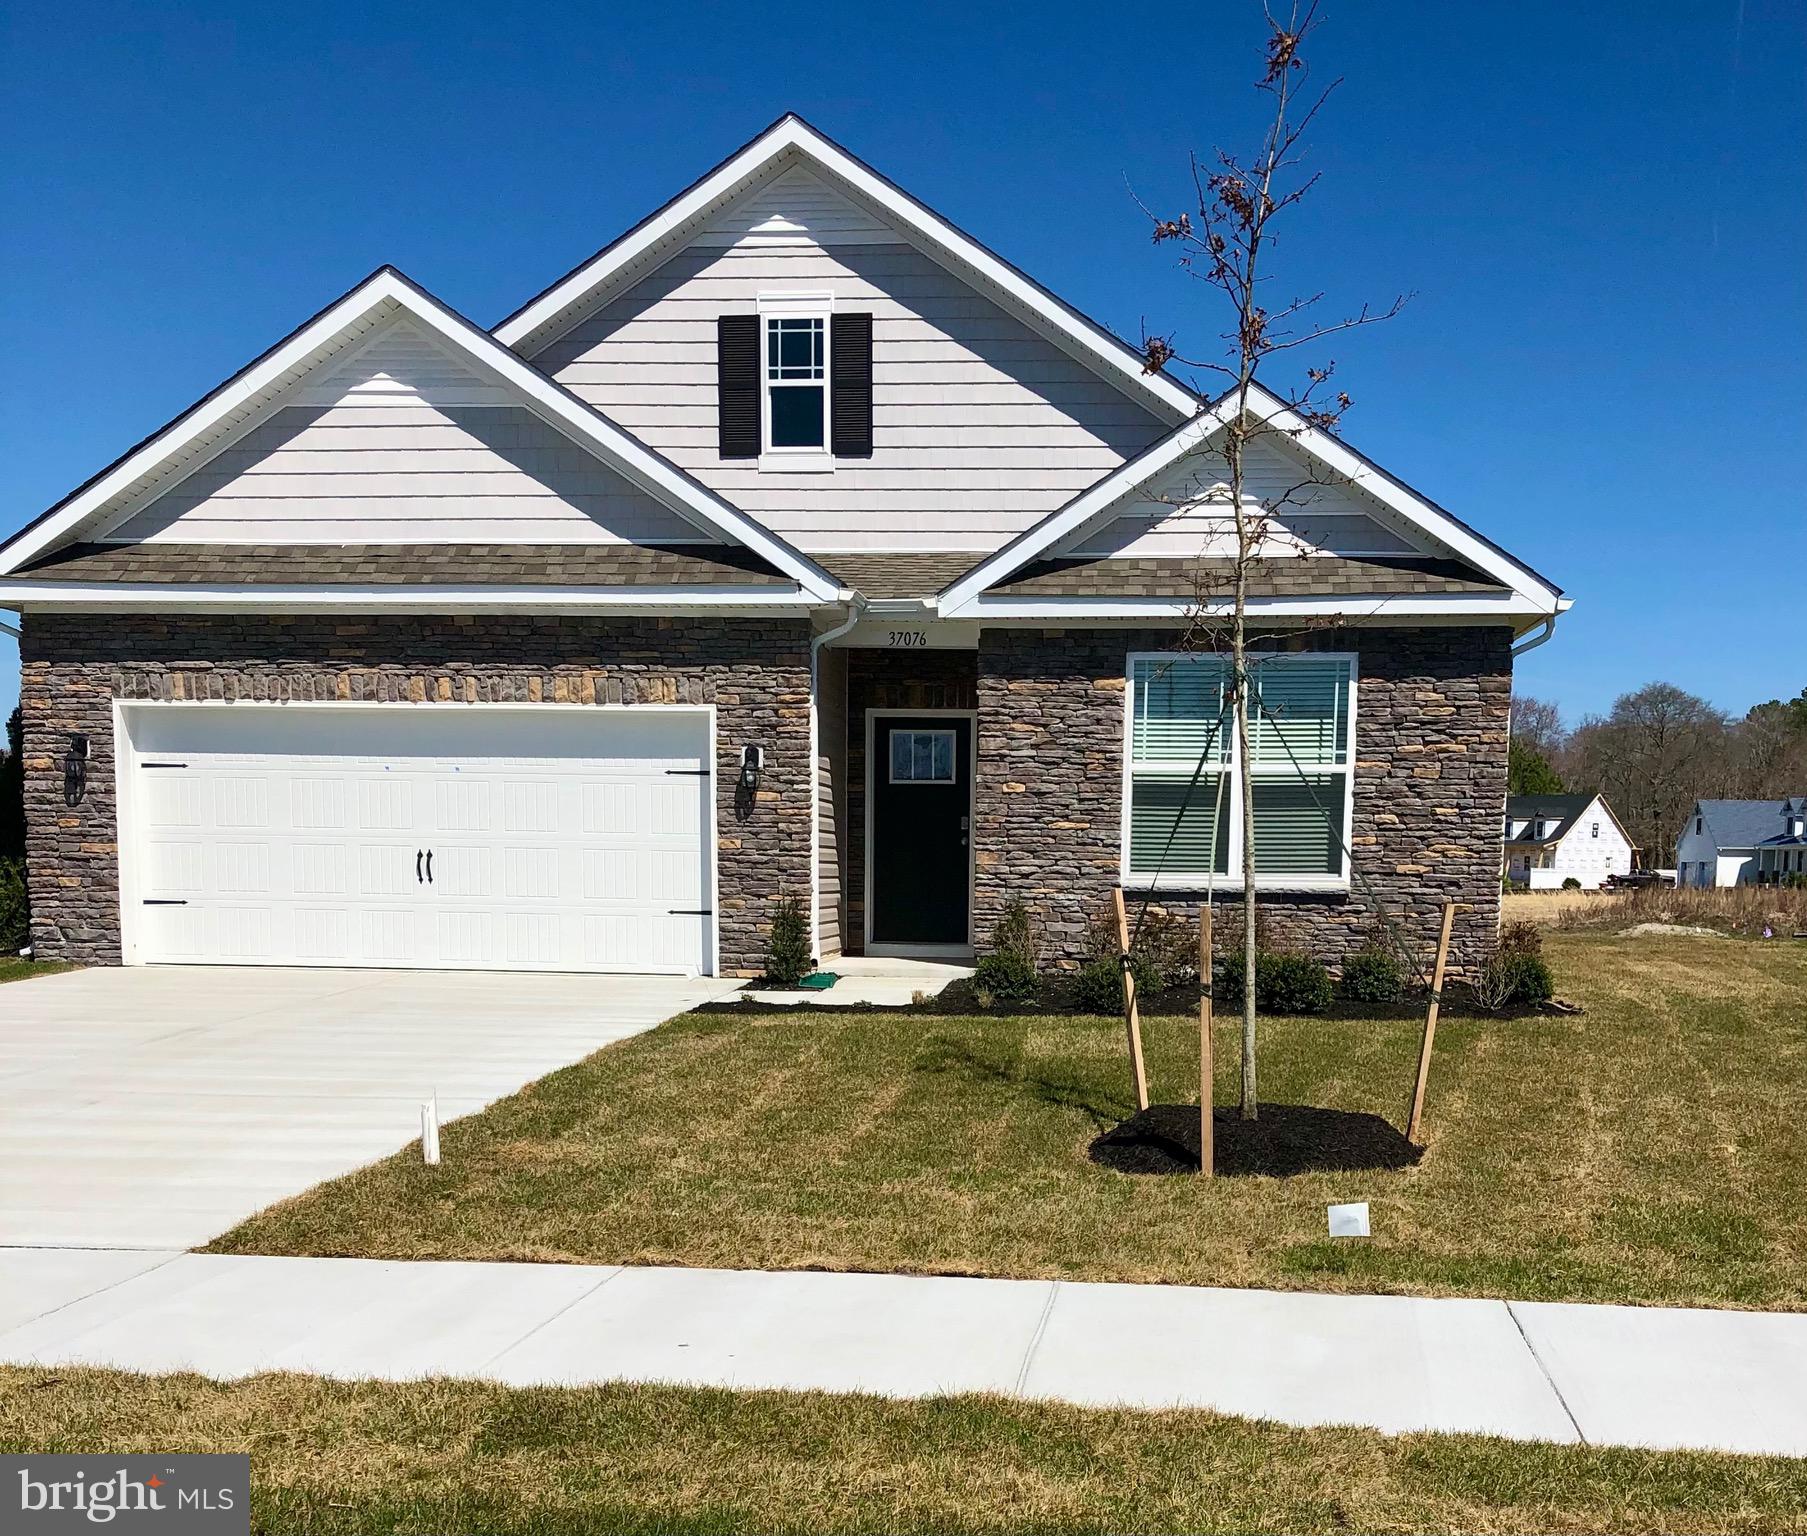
1226 242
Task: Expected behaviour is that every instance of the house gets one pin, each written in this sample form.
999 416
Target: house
1742 842
1553 838
795 544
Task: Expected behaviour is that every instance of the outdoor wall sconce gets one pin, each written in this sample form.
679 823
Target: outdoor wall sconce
75 770
746 783
752 759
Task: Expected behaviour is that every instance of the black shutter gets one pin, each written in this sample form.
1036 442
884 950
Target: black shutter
737 385
850 368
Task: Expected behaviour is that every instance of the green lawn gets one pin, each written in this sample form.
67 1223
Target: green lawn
23 970
1648 1150
429 1457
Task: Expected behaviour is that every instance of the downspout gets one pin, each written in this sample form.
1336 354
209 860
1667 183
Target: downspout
856 609
1549 628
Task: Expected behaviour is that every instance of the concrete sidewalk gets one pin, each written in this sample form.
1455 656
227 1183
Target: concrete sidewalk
1667 1378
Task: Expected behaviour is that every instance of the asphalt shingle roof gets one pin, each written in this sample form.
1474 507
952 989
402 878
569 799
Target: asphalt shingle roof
1188 577
525 565
1558 810
898 575
1746 823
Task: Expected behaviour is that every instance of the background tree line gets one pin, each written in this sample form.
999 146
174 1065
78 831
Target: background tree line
1656 752
14 920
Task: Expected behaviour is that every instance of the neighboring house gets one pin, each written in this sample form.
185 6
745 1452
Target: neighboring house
794 544
1742 842
1553 838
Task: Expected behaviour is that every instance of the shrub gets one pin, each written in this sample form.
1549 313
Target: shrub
1291 984
1521 939
1372 975
1283 983
1169 947
1014 932
1531 978
1098 988
1570 883
1165 950
15 911
1004 977
1516 972
788 959
1007 973
1508 978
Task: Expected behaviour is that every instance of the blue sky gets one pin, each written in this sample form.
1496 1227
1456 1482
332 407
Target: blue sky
1601 209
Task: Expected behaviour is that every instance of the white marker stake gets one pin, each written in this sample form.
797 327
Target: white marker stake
429 1132
1349 1220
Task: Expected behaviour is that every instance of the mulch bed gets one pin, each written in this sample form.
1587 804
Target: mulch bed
1283 1140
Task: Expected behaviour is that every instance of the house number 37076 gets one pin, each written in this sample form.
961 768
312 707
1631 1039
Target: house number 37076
909 639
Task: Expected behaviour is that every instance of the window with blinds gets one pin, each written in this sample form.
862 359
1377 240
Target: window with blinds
1185 795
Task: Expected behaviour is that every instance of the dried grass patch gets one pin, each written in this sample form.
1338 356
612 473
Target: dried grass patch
332 1458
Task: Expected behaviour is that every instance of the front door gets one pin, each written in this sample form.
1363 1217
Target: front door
921 843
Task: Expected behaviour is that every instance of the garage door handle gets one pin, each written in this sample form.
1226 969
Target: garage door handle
429 866
417 859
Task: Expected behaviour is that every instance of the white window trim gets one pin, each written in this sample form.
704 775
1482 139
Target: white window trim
1233 863
816 305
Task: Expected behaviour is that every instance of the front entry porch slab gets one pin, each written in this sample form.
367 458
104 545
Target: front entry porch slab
880 981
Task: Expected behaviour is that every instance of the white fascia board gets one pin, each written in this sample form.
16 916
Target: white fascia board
1455 607
1094 502
1082 338
157 450
1481 553
656 474
138 597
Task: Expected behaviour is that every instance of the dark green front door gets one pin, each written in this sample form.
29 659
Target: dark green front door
921 851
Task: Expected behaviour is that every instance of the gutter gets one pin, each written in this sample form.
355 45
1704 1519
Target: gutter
1548 627
856 610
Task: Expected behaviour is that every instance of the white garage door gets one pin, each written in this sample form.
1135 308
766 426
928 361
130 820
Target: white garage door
519 839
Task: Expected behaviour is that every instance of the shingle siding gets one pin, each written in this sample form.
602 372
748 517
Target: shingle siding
755 673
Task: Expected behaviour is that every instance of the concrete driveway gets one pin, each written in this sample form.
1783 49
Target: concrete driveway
155 1107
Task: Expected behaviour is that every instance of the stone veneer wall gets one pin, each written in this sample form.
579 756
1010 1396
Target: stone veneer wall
1430 787
755 672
